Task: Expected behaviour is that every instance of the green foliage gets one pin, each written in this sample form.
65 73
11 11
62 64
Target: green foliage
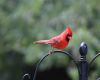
24 21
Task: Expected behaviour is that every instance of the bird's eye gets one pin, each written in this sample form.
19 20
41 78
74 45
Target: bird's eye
69 35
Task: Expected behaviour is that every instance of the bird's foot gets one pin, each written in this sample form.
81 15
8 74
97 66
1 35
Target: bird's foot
50 51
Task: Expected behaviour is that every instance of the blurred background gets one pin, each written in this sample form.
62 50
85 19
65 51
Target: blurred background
24 21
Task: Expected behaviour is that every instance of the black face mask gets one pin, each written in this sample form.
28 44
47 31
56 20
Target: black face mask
67 37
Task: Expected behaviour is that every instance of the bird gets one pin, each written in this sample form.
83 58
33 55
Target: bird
60 41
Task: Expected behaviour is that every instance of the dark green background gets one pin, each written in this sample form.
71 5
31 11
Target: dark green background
24 21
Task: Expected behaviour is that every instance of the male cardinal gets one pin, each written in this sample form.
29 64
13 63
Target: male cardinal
60 41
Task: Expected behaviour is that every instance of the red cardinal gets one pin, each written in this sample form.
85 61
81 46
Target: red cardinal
60 41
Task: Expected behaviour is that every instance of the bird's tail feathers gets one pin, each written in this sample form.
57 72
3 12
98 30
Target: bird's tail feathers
42 42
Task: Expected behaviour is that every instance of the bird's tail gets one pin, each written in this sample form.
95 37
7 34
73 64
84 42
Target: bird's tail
42 42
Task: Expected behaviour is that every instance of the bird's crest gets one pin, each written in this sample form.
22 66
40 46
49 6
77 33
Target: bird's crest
69 30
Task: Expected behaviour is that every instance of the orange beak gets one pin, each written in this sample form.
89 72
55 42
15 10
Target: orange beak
69 37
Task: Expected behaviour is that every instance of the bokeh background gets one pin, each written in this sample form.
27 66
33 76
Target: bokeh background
24 21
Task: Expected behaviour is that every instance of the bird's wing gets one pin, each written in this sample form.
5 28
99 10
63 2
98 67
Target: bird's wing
55 40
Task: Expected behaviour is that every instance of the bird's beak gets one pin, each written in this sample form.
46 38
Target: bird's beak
69 37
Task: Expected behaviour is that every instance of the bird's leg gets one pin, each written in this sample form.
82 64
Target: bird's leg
51 50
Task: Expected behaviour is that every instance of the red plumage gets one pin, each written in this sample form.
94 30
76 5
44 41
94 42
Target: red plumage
60 41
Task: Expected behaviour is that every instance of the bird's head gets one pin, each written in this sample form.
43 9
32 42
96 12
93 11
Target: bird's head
68 33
